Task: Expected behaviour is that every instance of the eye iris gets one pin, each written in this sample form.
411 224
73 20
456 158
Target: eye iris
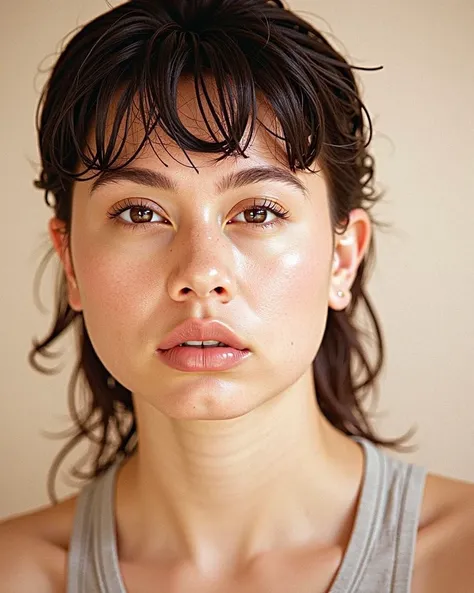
144 214
259 217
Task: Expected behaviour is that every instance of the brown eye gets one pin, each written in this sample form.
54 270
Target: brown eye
256 215
140 214
135 214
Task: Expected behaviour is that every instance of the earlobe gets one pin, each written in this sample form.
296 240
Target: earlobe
60 240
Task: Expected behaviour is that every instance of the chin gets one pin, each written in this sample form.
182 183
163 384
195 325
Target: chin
209 399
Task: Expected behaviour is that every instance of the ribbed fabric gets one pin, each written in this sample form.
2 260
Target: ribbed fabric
378 559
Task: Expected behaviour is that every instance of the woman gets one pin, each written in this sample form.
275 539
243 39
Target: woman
212 189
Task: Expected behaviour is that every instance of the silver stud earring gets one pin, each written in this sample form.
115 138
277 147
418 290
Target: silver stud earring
110 382
340 293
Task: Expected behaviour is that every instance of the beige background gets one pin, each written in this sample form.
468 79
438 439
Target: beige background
422 105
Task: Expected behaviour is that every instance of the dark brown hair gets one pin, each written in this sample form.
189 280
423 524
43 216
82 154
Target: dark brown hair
139 50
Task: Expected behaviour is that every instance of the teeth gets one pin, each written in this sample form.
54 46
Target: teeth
203 344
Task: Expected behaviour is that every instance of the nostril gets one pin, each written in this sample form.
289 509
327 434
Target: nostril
218 289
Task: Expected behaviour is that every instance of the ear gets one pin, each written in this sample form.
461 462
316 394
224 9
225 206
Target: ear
349 250
60 239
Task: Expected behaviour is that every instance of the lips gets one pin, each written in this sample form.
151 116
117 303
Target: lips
196 330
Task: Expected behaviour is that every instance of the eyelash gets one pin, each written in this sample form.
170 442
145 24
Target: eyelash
127 204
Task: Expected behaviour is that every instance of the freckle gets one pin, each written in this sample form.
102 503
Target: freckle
292 343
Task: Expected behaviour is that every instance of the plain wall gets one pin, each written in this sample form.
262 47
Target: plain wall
423 283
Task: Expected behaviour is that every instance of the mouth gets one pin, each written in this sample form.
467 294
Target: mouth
203 344
203 357
202 333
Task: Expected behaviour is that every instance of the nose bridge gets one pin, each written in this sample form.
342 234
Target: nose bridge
202 262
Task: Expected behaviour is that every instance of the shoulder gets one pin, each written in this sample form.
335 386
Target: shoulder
444 555
34 547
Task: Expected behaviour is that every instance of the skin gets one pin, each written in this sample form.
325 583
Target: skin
251 439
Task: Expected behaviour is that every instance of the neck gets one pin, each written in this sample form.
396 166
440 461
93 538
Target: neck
223 491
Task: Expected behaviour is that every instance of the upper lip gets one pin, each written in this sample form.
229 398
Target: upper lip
200 330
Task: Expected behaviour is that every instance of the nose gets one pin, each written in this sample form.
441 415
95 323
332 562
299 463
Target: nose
202 270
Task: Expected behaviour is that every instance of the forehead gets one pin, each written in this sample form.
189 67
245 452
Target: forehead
162 153
265 140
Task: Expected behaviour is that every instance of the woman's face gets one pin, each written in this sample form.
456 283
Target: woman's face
130 273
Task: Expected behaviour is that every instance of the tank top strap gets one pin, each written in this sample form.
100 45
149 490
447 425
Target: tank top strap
93 564
368 521
409 517
380 554
79 541
105 540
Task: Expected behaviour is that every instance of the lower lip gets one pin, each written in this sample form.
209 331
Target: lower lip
187 358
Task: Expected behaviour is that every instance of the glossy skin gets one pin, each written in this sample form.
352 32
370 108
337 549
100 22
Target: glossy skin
251 438
33 554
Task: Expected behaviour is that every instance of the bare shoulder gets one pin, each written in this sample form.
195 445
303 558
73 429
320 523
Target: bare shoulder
34 547
444 557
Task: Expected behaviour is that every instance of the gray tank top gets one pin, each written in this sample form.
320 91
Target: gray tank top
379 557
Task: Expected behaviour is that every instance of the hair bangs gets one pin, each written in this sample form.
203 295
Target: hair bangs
132 74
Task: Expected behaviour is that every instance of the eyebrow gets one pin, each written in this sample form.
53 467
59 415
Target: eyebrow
236 179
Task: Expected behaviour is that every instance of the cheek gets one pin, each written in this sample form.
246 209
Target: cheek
289 294
293 281
119 291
